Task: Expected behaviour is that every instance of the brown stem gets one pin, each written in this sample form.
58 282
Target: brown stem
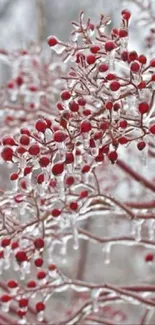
139 178
40 20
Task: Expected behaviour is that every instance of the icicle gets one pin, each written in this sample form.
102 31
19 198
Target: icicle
62 150
95 295
60 185
22 321
107 250
27 267
59 48
137 228
111 60
74 231
41 189
14 184
151 227
144 157
40 316
1 265
5 306
63 250
7 260
86 140
6 264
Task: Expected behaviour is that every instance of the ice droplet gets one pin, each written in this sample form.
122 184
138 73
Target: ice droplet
5 306
95 295
107 250
59 48
151 226
136 229
74 232
40 316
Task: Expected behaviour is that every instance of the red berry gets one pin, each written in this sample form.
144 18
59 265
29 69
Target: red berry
152 63
39 262
142 59
40 178
123 140
69 158
5 298
116 107
13 176
34 149
27 170
41 275
5 242
91 59
135 67
126 14
115 85
41 126
14 245
99 158
133 56
94 49
85 126
124 56
110 76
52 41
141 145
114 32
73 206
74 107
56 212
109 46
8 141
86 112
123 124
143 107
59 136
98 135
23 303
83 194
109 105
21 150
7 154
112 156
153 77
149 257
19 81
103 67
52 267
24 140
12 284
25 131
65 95
81 101
40 306
21 256
123 33
39 243
70 180
21 313
10 85
104 126
31 284
58 169
142 85
85 169
44 161
152 129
